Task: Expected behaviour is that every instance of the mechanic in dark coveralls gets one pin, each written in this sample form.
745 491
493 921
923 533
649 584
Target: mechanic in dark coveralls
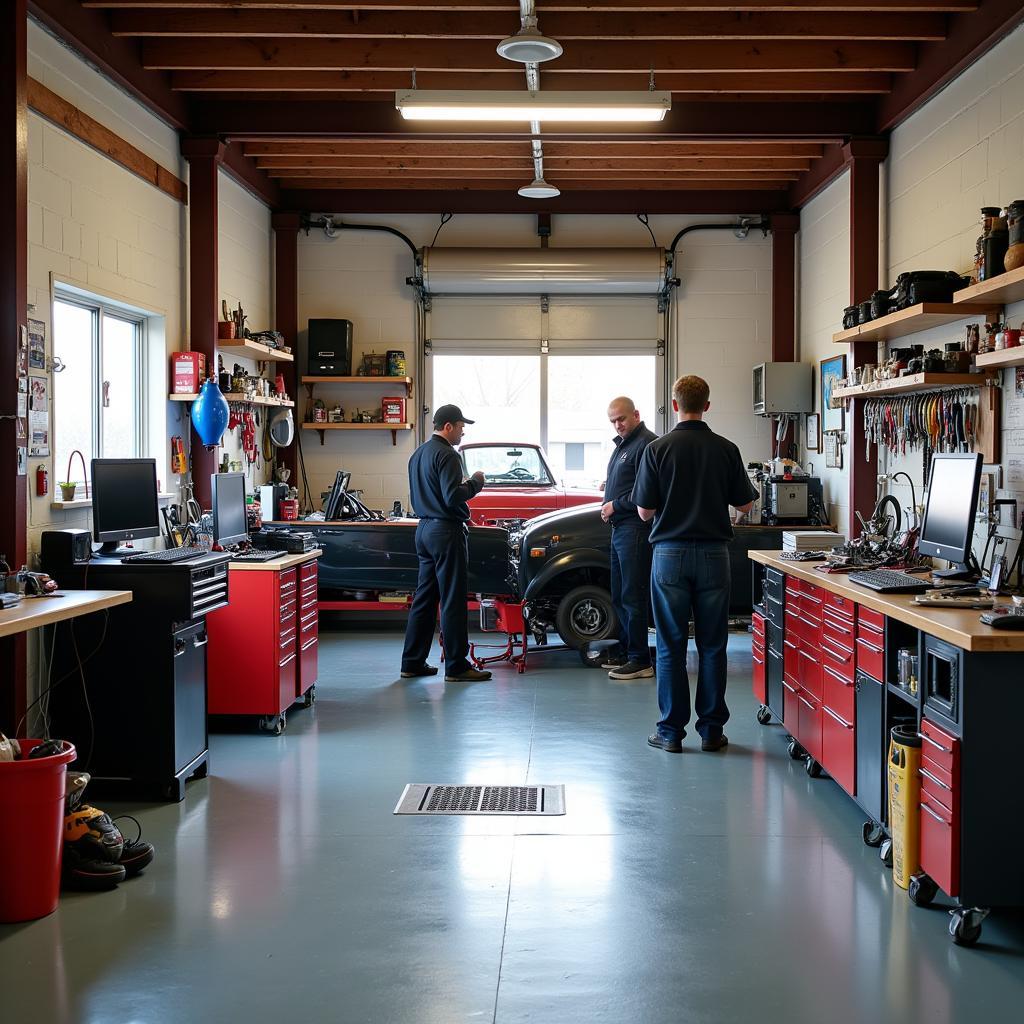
631 543
439 493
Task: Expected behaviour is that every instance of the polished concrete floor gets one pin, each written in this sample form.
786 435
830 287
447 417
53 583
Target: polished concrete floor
694 887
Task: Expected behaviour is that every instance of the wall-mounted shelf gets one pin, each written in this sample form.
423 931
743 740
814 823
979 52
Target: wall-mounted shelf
393 427
911 382
254 350
238 396
911 320
997 360
1001 290
405 382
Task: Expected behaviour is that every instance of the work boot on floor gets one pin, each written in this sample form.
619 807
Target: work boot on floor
469 675
632 670
137 853
615 661
664 743
415 673
715 742
92 850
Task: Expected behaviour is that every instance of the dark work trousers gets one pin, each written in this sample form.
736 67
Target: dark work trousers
443 551
631 587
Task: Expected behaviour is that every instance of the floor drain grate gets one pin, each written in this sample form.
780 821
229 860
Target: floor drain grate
429 798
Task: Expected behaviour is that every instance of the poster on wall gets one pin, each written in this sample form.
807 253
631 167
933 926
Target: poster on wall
1018 382
39 416
36 345
832 372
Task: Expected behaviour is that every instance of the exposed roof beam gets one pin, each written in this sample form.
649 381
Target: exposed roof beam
581 174
722 121
395 149
374 83
548 7
593 25
512 183
249 176
352 163
471 55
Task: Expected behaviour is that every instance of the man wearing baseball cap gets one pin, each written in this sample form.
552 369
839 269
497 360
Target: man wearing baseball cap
439 494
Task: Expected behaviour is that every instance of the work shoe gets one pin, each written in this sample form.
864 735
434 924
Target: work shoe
137 853
469 675
423 670
714 742
92 850
632 670
664 743
615 661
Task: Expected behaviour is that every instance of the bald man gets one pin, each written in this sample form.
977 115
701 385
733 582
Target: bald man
631 545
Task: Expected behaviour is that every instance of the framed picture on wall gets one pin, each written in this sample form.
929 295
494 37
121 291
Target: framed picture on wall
813 442
832 373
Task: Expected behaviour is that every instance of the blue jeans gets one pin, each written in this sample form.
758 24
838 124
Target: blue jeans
691 578
631 580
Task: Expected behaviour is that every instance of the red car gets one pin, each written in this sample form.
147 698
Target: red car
520 484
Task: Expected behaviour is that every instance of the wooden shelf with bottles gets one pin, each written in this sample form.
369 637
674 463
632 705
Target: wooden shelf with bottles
238 396
405 382
913 382
1000 291
912 320
393 427
1005 357
253 350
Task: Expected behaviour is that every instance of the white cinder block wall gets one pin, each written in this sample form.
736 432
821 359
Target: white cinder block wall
723 326
823 247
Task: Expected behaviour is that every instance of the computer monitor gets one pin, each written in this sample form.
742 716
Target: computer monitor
124 502
948 525
230 524
332 506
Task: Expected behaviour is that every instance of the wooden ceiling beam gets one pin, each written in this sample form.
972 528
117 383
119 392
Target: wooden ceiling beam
512 183
376 83
524 159
582 174
743 58
244 22
394 148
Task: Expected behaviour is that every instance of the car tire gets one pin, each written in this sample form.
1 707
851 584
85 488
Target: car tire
586 614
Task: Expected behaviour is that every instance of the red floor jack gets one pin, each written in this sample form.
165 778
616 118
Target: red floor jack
497 616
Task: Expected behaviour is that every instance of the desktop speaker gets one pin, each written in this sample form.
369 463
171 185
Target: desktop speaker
65 547
329 348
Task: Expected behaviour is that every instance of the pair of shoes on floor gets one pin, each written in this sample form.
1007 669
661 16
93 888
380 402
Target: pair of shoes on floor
632 670
469 675
423 670
664 743
713 743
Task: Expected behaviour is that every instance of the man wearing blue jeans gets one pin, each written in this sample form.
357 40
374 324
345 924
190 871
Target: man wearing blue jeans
686 483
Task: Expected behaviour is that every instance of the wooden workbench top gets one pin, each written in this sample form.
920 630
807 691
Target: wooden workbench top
277 563
64 604
958 626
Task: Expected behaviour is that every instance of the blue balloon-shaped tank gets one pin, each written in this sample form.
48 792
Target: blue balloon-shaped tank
210 414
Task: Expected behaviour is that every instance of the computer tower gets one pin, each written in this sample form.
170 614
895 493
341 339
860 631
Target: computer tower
329 348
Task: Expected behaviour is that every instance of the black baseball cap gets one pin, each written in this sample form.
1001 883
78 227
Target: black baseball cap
449 414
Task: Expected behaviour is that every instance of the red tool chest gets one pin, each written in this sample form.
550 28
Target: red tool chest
757 653
940 806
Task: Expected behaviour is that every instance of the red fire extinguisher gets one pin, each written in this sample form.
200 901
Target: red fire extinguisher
42 480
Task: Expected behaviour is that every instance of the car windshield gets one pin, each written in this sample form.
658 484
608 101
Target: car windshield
507 465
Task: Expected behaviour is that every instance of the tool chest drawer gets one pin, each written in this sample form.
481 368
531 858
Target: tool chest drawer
307 571
871 657
838 659
813 593
757 627
837 692
869 617
940 844
940 749
809 725
809 674
790 706
839 605
837 631
839 748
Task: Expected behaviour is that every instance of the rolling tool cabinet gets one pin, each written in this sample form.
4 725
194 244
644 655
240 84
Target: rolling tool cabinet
263 652
837 650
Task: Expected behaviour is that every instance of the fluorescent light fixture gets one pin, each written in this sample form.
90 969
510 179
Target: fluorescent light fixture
539 189
470 105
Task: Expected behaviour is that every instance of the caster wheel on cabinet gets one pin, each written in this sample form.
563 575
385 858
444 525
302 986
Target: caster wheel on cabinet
965 925
885 853
812 768
922 890
872 834
309 697
795 751
274 724
202 771
764 716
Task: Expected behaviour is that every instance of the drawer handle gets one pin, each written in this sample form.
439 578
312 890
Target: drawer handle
836 676
309 644
938 782
810 597
941 821
842 721
938 746
870 646
786 686
809 657
789 644
838 624
807 702
845 656
200 640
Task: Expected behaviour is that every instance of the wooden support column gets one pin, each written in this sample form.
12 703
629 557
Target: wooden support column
13 327
204 155
286 306
863 157
784 229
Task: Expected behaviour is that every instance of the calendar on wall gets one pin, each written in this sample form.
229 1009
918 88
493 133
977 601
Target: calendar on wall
833 450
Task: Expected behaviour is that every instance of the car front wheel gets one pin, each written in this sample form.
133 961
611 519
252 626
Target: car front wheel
586 614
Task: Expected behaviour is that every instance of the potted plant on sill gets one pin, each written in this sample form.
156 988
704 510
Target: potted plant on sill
67 490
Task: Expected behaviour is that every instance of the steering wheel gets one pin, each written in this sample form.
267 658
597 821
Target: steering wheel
518 473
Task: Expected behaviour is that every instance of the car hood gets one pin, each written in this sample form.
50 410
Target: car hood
565 520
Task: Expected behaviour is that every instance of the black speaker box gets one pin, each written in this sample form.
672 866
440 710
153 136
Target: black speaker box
64 547
329 347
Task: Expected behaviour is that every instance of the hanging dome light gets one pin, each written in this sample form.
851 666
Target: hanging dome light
539 189
529 46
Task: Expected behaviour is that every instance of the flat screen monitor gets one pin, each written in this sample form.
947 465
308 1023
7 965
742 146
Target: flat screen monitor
332 507
948 526
124 502
230 525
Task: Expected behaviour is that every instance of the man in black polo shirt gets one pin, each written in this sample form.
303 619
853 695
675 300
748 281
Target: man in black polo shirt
687 481
439 493
631 544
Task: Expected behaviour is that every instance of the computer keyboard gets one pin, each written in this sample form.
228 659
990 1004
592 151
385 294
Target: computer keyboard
258 556
160 557
889 581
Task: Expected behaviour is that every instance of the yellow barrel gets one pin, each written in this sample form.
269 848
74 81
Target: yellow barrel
904 794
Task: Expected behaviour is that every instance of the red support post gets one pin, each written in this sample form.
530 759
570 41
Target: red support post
204 155
863 157
286 306
13 336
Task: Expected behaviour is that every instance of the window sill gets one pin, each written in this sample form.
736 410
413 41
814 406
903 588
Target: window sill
163 499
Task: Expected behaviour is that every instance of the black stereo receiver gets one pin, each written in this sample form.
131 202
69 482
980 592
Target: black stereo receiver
295 542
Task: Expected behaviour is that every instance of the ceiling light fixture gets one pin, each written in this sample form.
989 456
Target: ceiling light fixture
539 189
529 45
599 107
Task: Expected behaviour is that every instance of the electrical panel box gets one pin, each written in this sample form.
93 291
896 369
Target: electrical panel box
782 387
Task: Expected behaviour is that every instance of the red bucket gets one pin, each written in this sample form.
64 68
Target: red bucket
32 807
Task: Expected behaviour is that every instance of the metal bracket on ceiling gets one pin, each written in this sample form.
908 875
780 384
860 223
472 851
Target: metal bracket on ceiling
545 304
